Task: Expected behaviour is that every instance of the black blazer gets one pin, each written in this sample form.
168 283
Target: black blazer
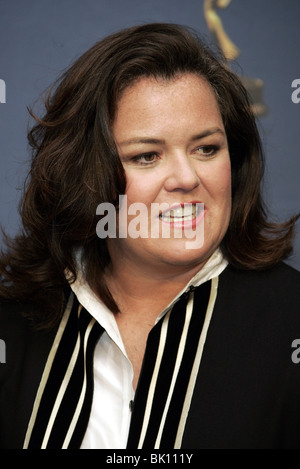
247 394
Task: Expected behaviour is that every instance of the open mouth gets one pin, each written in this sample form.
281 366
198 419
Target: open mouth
181 213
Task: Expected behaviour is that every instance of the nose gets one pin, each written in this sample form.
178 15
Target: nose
182 175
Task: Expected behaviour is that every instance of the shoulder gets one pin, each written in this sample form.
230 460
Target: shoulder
13 325
250 363
280 271
271 292
19 335
24 354
25 345
280 279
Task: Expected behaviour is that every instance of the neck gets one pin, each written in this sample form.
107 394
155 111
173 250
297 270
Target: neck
137 288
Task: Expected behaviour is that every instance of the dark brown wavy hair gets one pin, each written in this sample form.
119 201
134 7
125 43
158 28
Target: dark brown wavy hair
75 166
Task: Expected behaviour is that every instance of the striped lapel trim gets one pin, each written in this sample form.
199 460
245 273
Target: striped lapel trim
196 365
170 369
62 406
63 401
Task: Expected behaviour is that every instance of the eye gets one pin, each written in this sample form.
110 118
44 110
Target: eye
145 159
207 150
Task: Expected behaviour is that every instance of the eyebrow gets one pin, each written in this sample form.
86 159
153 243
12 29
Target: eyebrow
156 141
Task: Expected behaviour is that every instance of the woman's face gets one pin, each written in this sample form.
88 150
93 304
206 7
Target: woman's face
172 144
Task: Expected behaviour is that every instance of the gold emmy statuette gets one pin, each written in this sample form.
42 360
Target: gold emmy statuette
254 86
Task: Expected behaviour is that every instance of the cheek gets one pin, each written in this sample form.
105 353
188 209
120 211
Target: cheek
140 188
218 182
225 182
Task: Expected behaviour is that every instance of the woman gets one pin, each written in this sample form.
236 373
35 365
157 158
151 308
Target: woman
138 339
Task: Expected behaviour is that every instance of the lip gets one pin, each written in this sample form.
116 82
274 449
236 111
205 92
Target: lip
185 224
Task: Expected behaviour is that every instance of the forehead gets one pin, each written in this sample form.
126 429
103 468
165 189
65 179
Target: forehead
160 104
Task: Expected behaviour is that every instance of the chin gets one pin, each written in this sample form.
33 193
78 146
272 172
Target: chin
186 257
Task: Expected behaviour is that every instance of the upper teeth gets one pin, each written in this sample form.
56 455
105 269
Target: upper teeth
188 212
